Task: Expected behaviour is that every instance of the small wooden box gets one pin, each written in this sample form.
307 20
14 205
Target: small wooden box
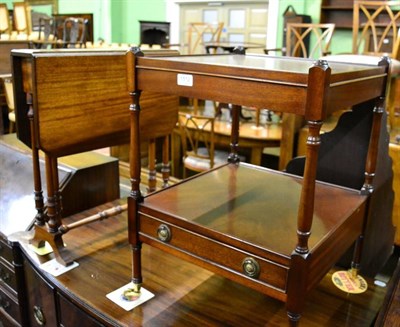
93 180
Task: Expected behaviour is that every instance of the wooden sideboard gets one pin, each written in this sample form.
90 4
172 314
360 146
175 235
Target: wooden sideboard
102 250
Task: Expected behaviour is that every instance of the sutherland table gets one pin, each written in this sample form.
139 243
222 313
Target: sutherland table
271 231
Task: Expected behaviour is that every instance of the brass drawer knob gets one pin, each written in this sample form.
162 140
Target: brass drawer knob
39 315
4 303
251 268
4 276
164 233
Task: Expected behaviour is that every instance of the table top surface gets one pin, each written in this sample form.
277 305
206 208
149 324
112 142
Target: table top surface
261 65
231 45
285 84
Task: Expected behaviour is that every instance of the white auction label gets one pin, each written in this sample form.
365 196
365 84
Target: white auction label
185 79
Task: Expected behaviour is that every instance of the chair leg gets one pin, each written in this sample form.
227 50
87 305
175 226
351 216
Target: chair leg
152 180
11 127
166 167
195 106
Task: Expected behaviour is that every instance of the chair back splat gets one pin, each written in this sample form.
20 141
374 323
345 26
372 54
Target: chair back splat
297 33
198 33
74 32
197 137
5 26
376 28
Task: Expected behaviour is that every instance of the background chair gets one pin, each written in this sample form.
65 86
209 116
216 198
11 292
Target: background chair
5 26
46 30
296 46
22 19
376 33
297 33
379 37
199 33
197 137
74 32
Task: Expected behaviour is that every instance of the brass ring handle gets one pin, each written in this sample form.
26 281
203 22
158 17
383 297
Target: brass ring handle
251 268
39 315
4 303
4 275
164 233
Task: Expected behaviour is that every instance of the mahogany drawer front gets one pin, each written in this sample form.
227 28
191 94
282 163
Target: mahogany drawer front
6 251
7 276
71 315
9 306
217 253
41 306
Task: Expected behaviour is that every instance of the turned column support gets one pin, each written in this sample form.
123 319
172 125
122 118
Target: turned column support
135 196
40 218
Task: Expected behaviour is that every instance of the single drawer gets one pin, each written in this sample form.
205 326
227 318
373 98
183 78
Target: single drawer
9 306
6 251
242 263
71 315
7 276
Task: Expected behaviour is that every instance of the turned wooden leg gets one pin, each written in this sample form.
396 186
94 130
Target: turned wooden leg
40 218
135 197
297 286
294 319
166 167
50 232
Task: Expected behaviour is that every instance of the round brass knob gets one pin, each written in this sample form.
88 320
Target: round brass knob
164 233
4 303
4 276
39 315
251 268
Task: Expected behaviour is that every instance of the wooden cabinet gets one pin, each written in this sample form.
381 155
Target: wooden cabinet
46 306
41 299
339 12
71 315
